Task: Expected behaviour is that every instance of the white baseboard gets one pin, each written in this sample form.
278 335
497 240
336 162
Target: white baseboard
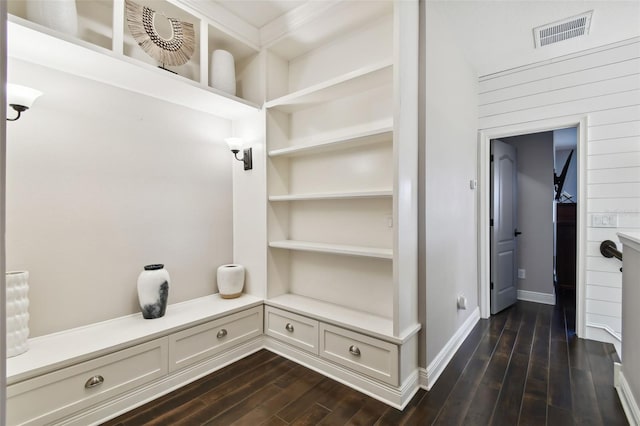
604 333
627 399
397 397
429 376
534 296
424 378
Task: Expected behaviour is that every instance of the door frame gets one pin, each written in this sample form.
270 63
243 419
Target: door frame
484 248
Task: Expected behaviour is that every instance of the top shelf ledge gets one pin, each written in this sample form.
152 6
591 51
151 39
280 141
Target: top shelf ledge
37 44
379 132
360 80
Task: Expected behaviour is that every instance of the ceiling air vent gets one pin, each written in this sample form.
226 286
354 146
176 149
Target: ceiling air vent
575 26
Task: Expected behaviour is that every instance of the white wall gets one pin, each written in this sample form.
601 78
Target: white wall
448 207
3 316
250 206
534 155
101 182
603 84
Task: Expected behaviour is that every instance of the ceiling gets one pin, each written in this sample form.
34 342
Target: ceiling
494 35
498 35
259 12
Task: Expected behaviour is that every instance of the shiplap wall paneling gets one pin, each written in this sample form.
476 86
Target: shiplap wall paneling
602 293
603 84
597 58
608 279
628 174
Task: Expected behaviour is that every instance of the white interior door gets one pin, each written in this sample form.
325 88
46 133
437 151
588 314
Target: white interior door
504 201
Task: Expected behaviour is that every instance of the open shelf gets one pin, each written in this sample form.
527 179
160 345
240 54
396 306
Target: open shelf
332 196
94 19
380 133
335 177
37 44
358 81
363 322
339 249
130 48
245 58
330 23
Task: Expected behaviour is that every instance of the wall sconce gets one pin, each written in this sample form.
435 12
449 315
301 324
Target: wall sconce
21 98
236 145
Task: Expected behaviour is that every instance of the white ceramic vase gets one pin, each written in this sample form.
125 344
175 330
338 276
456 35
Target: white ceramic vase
222 71
153 291
60 15
230 280
17 312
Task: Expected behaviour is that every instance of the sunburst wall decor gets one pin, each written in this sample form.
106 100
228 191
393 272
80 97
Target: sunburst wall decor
174 51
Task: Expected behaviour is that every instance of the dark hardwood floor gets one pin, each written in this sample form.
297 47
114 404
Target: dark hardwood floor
524 366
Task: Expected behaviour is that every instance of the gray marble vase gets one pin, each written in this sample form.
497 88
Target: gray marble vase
153 291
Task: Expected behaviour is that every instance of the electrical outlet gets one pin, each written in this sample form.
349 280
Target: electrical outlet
389 221
462 302
604 220
522 274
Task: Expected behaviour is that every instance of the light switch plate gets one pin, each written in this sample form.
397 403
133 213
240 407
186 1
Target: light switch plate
604 220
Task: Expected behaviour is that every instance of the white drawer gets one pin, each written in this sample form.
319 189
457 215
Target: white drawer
198 343
54 395
373 357
293 329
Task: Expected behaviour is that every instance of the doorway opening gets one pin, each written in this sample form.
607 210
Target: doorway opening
547 229
533 219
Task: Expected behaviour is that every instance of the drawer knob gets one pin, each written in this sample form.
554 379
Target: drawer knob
353 350
94 381
289 327
221 333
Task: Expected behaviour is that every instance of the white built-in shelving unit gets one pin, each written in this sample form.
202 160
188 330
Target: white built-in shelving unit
332 91
81 344
103 50
341 167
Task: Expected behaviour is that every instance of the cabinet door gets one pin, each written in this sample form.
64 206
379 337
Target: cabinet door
49 397
198 343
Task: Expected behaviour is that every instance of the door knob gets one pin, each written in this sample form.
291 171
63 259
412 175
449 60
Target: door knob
516 232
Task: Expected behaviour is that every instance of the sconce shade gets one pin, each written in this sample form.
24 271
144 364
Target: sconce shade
235 144
21 95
